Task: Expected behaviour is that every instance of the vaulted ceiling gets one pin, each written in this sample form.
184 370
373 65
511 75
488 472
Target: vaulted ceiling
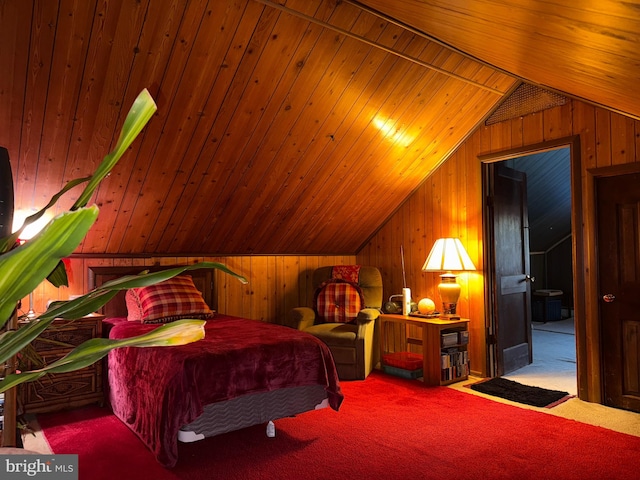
585 48
283 127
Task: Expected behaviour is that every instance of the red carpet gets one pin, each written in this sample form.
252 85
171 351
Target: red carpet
387 428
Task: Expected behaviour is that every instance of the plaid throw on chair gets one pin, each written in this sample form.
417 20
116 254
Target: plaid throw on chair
350 273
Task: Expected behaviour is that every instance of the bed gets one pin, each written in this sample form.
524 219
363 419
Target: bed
244 372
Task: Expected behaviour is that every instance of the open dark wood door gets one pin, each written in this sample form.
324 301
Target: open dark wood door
618 207
511 302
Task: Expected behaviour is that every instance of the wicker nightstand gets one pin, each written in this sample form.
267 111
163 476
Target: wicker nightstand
64 390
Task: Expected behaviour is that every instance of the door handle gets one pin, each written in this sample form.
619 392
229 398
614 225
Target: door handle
609 298
529 278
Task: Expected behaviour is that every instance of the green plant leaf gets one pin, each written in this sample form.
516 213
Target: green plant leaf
8 242
14 265
141 111
91 302
179 332
13 341
58 278
95 299
24 267
145 278
79 307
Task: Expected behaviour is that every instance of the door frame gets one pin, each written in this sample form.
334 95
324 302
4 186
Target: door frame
583 364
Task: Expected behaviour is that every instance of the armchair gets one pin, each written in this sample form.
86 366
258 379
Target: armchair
347 304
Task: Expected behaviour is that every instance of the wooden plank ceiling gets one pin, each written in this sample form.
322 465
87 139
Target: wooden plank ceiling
548 196
294 127
585 48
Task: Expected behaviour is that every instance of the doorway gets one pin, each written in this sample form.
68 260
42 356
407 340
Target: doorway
545 281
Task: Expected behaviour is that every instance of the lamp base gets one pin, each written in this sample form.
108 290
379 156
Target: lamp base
449 291
448 308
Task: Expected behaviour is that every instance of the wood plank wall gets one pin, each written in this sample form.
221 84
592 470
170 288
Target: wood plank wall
276 283
449 203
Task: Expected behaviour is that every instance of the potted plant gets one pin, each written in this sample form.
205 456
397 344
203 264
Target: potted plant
24 267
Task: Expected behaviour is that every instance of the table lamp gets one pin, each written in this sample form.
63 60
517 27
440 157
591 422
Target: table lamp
448 255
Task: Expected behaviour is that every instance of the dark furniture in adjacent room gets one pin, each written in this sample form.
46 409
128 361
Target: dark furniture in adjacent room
547 305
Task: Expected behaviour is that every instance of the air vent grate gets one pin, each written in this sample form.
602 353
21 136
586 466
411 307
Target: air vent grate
524 100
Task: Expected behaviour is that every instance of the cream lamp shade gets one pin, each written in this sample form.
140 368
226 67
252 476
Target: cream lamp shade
448 255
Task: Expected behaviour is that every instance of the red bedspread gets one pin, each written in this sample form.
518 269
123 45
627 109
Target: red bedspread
155 391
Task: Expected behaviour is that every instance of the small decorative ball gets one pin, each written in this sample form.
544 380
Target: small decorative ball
426 306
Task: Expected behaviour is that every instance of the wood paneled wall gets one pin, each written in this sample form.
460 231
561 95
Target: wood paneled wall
449 203
276 283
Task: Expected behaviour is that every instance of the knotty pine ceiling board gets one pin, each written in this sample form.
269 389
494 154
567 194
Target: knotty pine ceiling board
194 86
586 49
325 62
349 103
293 127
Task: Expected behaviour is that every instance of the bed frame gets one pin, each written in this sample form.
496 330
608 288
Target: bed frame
256 409
227 416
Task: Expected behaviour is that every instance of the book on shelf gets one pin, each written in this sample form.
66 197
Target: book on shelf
453 357
453 372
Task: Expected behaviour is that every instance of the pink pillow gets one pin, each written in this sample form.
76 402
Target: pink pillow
338 301
134 310
170 300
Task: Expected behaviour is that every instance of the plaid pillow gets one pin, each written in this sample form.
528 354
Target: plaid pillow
338 301
170 300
